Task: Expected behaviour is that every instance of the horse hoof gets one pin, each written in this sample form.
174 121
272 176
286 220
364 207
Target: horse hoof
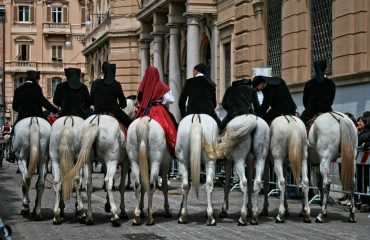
319 220
213 223
115 223
352 220
253 222
152 223
181 221
107 207
82 220
57 222
223 214
136 223
307 220
38 217
242 223
25 213
278 219
123 215
89 221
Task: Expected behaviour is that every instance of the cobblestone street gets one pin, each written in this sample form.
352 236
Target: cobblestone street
336 226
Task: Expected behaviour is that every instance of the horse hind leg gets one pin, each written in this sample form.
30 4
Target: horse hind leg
183 212
154 171
281 182
167 213
210 172
243 187
111 171
256 189
40 186
324 169
80 213
305 187
352 217
266 188
57 188
225 205
122 188
25 211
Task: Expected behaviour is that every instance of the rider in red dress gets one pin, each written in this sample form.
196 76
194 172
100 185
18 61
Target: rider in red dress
152 96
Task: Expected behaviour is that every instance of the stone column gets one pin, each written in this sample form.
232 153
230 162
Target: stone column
174 78
144 56
158 54
193 44
214 39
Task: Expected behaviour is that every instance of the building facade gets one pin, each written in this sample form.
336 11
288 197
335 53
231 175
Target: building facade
112 36
42 35
234 36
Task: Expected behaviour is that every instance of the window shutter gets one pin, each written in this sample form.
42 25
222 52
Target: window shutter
65 14
53 53
83 15
48 87
27 52
32 14
48 14
15 14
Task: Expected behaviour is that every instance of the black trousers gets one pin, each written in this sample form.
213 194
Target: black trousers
224 122
122 117
307 116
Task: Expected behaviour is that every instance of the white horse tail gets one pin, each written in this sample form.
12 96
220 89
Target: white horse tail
34 148
66 158
234 134
142 133
87 141
348 140
295 139
195 154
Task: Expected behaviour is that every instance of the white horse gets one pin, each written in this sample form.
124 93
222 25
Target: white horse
149 157
244 134
289 143
63 150
30 144
102 138
194 130
334 134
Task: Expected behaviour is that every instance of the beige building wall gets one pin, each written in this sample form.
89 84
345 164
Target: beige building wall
114 39
32 35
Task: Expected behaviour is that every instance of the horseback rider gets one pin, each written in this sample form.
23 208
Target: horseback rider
200 94
107 95
240 98
318 93
72 96
152 96
28 101
277 99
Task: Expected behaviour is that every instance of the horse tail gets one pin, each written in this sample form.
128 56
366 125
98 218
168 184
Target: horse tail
195 154
66 158
34 148
348 140
87 140
295 141
142 133
234 134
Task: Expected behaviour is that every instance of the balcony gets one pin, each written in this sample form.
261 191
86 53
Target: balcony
56 29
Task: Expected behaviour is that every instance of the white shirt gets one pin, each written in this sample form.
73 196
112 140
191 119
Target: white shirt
168 98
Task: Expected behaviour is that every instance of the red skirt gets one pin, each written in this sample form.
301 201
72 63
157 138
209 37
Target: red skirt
160 114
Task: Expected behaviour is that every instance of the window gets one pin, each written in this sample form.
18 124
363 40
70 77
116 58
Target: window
56 14
19 81
54 82
227 64
321 29
23 13
274 36
56 53
23 52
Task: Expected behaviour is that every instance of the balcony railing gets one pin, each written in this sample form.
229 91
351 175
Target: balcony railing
23 66
56 28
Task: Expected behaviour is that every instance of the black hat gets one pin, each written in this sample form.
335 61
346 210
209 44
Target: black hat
319 67
33 75
109 71
257 80
73 77
201 68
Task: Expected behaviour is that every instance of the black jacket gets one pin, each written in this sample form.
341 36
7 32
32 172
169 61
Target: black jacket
28 101
277 99
318 97
107 98
240 98
201 95
72 101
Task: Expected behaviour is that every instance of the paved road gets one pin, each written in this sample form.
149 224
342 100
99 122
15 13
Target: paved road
336 226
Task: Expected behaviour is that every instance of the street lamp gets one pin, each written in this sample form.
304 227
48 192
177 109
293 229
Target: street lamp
68 42
100 16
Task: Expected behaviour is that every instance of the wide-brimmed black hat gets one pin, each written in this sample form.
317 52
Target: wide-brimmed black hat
73 77
33 75
257 80
109 71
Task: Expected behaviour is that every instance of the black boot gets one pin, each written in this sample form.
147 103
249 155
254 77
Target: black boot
11 157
